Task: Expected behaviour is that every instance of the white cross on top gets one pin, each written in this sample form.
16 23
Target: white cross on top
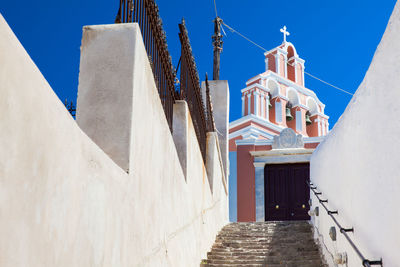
285 33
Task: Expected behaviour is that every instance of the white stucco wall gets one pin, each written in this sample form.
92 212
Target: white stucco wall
64 202
219 94
357 166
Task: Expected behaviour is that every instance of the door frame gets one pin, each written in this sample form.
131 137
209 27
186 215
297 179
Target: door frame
274 156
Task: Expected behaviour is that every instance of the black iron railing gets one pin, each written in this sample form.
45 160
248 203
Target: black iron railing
190 89
146 14
365 262
70 107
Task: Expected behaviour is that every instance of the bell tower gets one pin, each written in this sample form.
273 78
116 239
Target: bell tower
282 123
279 95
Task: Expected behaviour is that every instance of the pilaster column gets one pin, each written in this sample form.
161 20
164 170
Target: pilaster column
260 198
278 111
267 100
248 103
300 116
319 126
286 63
256 103
243 105
277 63
263 103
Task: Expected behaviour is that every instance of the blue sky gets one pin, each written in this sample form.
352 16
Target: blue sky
336 38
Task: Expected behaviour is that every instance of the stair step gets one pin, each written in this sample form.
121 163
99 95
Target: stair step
269 244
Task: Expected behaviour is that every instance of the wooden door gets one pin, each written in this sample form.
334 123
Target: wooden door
286 192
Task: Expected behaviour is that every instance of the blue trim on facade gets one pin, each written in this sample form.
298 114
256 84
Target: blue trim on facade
233 186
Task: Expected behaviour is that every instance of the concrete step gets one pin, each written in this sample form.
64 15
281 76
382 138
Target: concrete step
269 244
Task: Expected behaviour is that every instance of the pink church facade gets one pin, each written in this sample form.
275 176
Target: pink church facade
272 101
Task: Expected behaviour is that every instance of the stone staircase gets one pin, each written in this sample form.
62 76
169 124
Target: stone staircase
269 244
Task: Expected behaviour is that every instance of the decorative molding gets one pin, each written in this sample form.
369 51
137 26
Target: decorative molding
260 155
281 97
315 139
258 120
288 83
281 159
288 139
301 106
299 60
255 86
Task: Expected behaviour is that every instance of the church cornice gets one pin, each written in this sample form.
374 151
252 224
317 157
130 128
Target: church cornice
264 142
256 119
251 132
255 86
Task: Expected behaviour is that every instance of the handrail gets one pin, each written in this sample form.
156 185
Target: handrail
365 262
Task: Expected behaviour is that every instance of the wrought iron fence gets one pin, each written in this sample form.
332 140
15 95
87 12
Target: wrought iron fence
190 89
70 107
146 14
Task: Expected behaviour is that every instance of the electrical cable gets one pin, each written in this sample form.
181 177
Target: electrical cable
215 7
241 35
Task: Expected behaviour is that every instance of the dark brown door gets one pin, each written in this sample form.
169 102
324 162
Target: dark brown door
286 192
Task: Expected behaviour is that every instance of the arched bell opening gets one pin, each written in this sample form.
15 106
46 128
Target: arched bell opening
291 73
288 113
312 128
269 102
308 118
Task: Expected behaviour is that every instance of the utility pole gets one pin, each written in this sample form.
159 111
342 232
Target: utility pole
217 44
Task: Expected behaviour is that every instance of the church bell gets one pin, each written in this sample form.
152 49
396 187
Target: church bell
289 116
308 121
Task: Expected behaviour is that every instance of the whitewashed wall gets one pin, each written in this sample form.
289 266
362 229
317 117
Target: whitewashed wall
357 167
64 202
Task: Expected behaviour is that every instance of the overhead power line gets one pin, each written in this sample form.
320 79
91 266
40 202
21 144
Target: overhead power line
338 88
215 7
259 46
241 35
